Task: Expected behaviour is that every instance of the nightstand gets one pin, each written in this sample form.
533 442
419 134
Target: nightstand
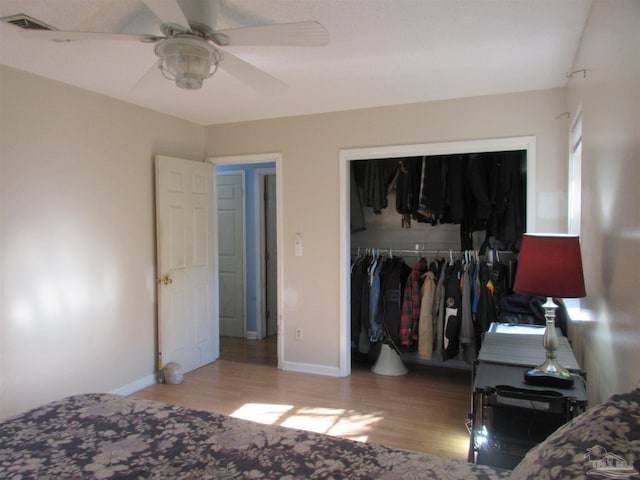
509 416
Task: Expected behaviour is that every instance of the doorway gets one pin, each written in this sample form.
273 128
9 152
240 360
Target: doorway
259 300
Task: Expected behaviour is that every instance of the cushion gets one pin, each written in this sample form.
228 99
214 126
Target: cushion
604 439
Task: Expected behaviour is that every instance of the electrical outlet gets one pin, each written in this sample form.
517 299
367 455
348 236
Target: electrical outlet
298 333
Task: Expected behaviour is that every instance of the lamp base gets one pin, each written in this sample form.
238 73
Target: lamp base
547 379
550 373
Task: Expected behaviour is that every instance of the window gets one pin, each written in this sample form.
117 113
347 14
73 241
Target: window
575 175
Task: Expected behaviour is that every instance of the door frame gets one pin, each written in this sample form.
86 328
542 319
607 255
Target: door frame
243 176
527 143
261 300
276 158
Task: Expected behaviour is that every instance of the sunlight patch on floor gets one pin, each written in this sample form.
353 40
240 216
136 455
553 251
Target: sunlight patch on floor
314 419
261 412
332 421
354 425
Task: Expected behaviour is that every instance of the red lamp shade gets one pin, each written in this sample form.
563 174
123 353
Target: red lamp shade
550 266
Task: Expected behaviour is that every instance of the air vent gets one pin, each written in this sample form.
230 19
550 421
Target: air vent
26 22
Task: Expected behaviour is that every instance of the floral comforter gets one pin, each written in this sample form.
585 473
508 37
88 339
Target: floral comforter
102 436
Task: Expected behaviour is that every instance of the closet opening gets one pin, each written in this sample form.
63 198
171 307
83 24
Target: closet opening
453 218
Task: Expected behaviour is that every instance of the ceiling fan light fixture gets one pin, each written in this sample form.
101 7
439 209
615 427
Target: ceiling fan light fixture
187 61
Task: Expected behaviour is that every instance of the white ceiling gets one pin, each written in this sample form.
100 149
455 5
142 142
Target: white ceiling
381 52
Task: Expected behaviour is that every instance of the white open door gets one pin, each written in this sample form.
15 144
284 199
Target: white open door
187 285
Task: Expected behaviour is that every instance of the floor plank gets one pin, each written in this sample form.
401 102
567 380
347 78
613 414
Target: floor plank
424 410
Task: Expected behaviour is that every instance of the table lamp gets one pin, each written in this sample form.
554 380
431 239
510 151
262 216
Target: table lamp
550 266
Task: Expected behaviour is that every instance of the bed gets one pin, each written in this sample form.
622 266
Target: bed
103 436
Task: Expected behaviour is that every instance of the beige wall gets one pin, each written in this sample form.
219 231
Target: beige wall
608 342
77 239
310 146
77 304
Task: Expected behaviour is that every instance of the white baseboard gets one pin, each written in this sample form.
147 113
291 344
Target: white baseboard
135 386
311 368
252 335
287 366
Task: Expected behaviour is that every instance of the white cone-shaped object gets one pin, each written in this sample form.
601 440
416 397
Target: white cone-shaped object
389 362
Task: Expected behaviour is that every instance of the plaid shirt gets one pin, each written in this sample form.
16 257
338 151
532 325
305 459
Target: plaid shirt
411 304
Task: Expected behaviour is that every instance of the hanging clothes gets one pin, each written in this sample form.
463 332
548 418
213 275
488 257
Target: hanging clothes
453 313
477 175
493 286
376 328
486 305
478 191
393 279
425 323
411 304
375 189
508 197
373 178
439 311
408 188
360 303
432 186
467 333
357 281
455 189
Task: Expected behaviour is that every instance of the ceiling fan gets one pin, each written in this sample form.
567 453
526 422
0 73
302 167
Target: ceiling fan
189 51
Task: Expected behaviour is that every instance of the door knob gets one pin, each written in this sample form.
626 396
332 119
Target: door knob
166 280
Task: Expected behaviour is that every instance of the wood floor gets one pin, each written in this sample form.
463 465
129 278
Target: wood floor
424 410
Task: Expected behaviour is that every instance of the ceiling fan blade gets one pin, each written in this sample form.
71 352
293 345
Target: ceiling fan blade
252 76
151 80
304 34
169 12
60 36
203 12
